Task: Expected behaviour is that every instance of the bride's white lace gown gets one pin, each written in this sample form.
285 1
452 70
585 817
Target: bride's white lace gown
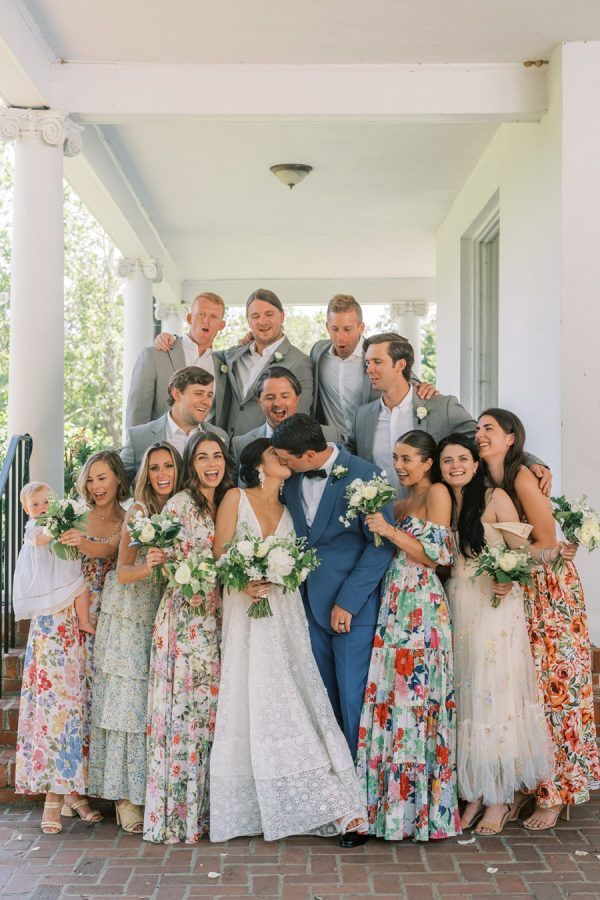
280 764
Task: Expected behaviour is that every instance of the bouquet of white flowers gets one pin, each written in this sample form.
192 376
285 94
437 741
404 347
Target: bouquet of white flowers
195 575
578 522
505 566
159 530
63 515
283 561
367 497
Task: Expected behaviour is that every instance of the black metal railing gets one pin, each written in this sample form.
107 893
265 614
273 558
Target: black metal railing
14 474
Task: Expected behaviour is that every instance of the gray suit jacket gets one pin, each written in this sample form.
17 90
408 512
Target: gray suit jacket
147 398
139 438
445 416
244 411
238 443
318 350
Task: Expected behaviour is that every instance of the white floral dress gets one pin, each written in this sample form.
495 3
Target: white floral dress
182 700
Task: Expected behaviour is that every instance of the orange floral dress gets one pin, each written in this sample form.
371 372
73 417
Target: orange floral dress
558 632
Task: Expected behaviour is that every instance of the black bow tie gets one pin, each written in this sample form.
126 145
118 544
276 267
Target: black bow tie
316 473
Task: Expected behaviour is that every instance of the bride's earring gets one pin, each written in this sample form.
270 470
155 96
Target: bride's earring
261 476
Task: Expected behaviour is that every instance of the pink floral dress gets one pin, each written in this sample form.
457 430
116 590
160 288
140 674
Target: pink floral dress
182 700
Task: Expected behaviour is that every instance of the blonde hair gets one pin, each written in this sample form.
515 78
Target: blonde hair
28 490
344 303
143 491
214 298
113 461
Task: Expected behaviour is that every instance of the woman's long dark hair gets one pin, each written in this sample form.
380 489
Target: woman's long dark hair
471 536
190 480
515 457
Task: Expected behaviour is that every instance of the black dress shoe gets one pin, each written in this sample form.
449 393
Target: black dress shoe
353 839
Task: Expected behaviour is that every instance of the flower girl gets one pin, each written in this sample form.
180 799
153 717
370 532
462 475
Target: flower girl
44 583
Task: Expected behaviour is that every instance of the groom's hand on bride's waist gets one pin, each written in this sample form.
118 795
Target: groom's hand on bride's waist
340 619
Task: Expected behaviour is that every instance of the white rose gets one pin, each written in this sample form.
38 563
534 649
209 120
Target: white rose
356 499
279 564
508 562
246 549
265 546
589 533
370 492
147 533
356 483
183 573
421 412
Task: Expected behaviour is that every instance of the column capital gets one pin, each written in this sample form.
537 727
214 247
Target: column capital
52 126
164 310
409 307
150 268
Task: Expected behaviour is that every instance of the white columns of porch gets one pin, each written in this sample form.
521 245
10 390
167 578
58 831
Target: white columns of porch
407 319
36 367
138 332
171 317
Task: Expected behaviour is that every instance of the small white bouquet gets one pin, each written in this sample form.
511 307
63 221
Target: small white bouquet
195 575
62 515
159 530
505 566
578 522
283 561
367 497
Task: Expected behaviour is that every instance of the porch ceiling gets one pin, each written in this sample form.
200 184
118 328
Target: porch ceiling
315 31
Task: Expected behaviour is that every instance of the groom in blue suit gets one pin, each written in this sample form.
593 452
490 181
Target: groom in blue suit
341 596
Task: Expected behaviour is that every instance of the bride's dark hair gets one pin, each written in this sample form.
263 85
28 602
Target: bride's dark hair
471 536
250 459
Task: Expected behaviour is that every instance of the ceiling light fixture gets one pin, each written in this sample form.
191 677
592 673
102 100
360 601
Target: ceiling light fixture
291 174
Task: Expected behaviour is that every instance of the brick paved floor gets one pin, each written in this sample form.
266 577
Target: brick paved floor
100 861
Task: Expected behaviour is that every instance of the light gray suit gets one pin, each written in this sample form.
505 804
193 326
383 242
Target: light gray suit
445 416
139 438
244 410
148 393
316 354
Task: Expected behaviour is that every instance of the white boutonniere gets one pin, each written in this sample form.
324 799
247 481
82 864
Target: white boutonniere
223 368
422 413
338 472
277 356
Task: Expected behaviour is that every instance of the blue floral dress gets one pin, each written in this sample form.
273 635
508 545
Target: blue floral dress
406 759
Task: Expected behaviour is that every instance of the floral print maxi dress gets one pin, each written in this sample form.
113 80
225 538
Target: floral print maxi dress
182 700
406 758
558 633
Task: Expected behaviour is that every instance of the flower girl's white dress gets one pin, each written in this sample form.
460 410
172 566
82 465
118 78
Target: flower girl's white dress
43 583
280 764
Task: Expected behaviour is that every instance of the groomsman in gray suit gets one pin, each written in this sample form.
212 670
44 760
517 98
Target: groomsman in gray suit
147 398
342 385
378 425
278 393
190 395
269 346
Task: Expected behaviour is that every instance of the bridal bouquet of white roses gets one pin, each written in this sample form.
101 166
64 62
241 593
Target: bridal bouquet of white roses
367 497
578 522
63 515
159 530
283 561
505 566
195 575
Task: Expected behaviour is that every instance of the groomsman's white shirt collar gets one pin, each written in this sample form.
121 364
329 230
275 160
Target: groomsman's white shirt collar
391 424
203 360
312 489
252 363
176 436
341 387
268 430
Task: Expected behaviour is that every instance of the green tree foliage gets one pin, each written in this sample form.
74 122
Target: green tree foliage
301 328
427 370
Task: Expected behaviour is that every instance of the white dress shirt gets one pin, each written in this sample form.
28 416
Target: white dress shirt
312 489
176 436
252 363
341 387
391 424
203 360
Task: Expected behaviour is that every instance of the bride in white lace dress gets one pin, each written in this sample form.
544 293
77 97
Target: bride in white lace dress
280 764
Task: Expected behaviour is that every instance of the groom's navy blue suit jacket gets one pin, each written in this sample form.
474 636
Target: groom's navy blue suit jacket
351 565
